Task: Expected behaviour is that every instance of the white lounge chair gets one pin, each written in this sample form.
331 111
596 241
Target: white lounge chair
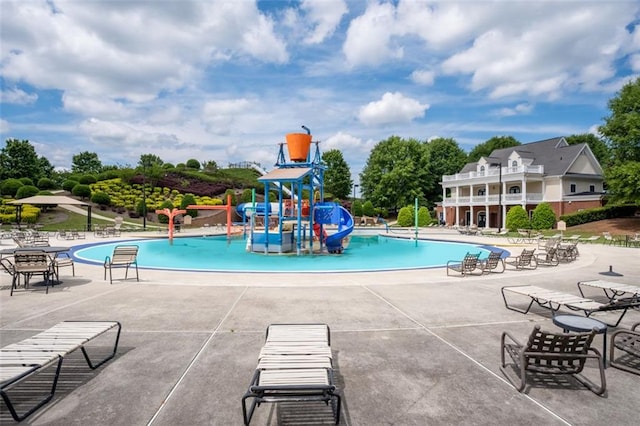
611 290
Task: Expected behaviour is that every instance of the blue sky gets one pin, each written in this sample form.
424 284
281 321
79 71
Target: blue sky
226 80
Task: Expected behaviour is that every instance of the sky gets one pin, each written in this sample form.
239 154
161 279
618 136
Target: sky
226 80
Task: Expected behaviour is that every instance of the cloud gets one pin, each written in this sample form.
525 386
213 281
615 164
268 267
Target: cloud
219 116
17 96
423 77
4 126
325 15
520 109
369 35
391 108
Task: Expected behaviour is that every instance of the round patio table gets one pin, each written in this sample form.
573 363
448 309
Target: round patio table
583 325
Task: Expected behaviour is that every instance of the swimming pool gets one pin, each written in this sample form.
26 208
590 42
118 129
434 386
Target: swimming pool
365 253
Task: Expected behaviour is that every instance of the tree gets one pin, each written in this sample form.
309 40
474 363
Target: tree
445 157
10 187
82 191
486 148
405 216
27 191
150 165
337 177
395 173
517 218
623 182
597 146
86 163
192 163
189 200
209 166
19 159
367 209
424 216
356 208
543 217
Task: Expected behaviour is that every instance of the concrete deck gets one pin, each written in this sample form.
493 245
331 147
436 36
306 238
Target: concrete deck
410 348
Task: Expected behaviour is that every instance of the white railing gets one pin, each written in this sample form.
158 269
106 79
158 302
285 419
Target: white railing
494 172
494 199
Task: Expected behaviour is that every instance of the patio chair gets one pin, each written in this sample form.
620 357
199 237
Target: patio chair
554 300
8 267
63 260
466 266
494 263
122 257
30 263
548 353
611 290
295 364
627 341
549 258
568 252
526 260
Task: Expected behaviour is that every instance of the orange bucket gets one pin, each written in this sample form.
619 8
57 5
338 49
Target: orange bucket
298 145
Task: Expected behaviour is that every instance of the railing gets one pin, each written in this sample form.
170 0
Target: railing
506 171
494 199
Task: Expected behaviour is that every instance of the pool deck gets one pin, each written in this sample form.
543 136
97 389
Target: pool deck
410 347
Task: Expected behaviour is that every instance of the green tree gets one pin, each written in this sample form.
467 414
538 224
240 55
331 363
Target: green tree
46 183
209 166
192 163
68 185
233 197
424 216
368 209
19 159
82 191
337 177
405 216
150 166
189 200
623 182
356 208
246 196
26 181
394 173
162 218
543 217
10 187
445 157
517 218
87 179
597 146
27 191
86 163
486 148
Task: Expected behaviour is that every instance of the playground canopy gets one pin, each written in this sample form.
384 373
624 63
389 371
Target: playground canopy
51 200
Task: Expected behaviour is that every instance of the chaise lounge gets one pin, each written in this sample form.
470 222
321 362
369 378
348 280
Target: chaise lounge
466 266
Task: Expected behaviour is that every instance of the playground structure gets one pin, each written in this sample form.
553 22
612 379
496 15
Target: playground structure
300 219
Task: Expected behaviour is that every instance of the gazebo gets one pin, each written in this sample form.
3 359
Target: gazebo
50 200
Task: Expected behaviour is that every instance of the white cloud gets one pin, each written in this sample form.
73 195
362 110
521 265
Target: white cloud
219 116
369 35
4 126
520 109
391 108
94 106
423 77
17 96
325 16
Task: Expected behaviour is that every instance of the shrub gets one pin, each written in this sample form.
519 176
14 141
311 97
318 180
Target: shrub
193 164
367 209
101 198
405 216
82 191
141 208
26 181
424 217
68 185
600 213
543 217
46 183
187 200
27 191
233 196
517 218
108 174
356 208
246 196
10 187
87 179
165 205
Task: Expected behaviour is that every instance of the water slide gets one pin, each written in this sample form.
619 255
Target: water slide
264 172
327 213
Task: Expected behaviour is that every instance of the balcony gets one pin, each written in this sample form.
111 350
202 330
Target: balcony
492 175
494 199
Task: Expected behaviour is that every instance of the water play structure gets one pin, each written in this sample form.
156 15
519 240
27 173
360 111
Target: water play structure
300 221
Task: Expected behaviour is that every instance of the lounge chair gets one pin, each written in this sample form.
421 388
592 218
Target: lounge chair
466 266
627 341
526 260
122 257
494 263
552 354
554 300
30 356
568 252
590 239
295 364
549 258
611 290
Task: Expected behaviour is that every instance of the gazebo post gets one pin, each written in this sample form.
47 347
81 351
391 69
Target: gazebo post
88 218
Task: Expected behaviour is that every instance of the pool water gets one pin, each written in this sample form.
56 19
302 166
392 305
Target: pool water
364 253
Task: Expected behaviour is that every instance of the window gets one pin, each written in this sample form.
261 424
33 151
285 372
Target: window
572 188
514 164
481 191
514 190
482 170
592 188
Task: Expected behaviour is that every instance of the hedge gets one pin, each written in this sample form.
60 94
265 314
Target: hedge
600 213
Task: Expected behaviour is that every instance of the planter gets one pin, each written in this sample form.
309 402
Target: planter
298 145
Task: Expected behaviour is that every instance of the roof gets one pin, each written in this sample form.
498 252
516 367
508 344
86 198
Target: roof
285 174
49 199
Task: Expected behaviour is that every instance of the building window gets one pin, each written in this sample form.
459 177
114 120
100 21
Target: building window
592 188
481 191
514 164
572 188
514 190
482 170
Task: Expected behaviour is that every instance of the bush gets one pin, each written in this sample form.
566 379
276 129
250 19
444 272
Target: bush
600 213
10 187
141 209
167 204
68 185
26 181
517 218
233 196
192 163
424 217
405 216
246 196
356 208
27 191
543 217
87 179
46 183
101 198
108 174
188 200
82 191
367 209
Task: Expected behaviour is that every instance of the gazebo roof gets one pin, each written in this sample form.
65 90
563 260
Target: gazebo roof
49 199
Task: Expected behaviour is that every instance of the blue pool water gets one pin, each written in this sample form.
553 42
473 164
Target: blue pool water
365 253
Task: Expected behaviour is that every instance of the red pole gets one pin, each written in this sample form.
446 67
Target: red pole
228 216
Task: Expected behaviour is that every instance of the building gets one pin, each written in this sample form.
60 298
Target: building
568 177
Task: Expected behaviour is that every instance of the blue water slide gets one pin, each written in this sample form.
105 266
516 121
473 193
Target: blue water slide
327 213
